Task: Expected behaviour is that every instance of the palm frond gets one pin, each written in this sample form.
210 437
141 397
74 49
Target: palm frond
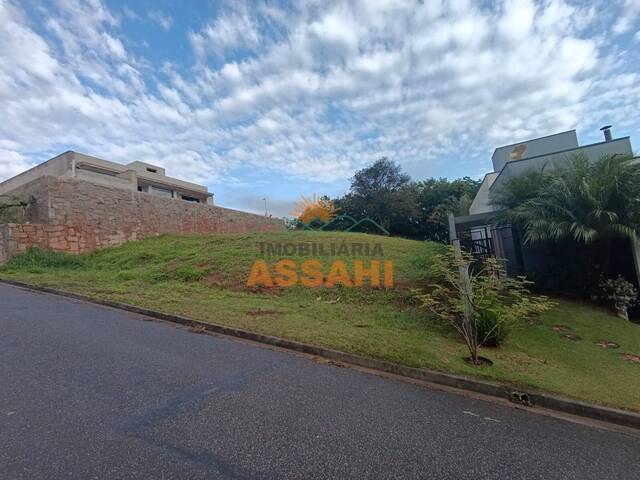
581 199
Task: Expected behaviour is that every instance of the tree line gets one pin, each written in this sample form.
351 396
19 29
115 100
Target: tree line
406 208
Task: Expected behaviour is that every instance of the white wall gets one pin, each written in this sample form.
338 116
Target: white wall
533 148
103 179
160 192
480 203
593 152
56 167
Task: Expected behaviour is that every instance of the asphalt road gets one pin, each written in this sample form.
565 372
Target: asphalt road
89 392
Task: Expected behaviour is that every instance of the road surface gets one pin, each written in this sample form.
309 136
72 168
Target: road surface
94 393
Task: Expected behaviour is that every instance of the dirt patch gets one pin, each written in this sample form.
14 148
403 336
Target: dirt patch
630 357
482 361
276 291
561 328
571 336
606 344
215 280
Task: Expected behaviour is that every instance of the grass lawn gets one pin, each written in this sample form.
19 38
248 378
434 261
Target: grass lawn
204 277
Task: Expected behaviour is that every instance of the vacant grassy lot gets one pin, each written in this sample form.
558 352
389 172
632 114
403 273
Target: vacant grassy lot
204 277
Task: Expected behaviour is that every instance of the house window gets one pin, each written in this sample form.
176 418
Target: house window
190 199
152 170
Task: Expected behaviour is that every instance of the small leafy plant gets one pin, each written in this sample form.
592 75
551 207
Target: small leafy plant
621 294
485 314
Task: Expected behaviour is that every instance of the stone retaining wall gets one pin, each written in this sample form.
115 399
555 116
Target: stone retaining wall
78 216
17 238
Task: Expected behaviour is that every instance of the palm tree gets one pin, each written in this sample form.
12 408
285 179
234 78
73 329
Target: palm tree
517 191
582 200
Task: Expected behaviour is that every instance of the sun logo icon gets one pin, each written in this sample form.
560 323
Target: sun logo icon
309 209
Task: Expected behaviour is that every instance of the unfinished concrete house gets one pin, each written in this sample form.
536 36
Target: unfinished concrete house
77 203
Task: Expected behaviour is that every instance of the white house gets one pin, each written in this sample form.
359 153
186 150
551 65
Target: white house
483 236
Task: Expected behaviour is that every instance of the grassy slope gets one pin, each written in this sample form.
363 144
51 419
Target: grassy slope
204 277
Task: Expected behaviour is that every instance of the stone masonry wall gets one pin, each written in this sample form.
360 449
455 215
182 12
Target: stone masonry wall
17 238
34 193
77 216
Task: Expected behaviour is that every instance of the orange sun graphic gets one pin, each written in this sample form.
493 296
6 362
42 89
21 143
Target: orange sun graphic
308 209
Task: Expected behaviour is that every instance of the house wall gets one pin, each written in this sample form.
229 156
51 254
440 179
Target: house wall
77 165
33 193
480 202
108 180
76 216
57 166
18 238
593 152
132 175
539 146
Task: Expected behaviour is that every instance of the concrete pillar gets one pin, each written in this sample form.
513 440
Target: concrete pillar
453 234
132 177
498 247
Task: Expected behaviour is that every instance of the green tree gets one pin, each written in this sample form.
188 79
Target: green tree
382 192
576 213
438 197
581 200
486 306
416 210
518 190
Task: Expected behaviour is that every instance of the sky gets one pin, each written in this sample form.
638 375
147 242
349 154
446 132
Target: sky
277 99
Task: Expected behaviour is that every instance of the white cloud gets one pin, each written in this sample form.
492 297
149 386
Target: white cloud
228 31
628 17
517 20
12 163
163 19
314 92
129 13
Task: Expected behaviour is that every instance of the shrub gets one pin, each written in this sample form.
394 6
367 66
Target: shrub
619 293
494 305
493 325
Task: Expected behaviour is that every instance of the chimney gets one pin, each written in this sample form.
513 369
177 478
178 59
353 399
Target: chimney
607 133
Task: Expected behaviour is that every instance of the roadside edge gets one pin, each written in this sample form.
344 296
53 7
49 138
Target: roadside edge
493 389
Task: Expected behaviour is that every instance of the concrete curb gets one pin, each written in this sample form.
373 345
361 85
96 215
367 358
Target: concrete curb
493 389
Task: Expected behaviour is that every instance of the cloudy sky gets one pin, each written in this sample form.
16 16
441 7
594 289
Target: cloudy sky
265 99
